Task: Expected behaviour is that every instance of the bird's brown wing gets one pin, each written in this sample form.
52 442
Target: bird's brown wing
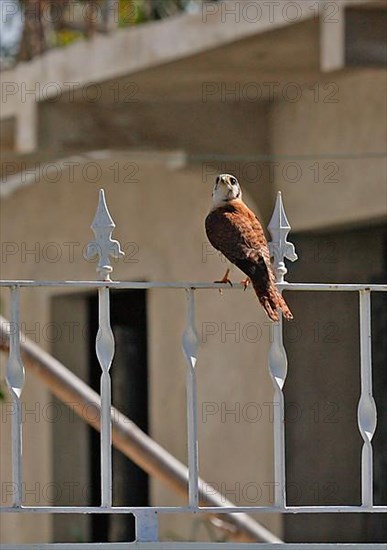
236 232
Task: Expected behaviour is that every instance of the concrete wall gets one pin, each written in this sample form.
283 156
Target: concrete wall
160 225
107 58
196 127
341 129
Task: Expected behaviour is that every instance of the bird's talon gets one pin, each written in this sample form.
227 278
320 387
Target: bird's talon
245 283
224 281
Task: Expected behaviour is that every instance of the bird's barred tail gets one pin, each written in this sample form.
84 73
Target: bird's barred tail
271 300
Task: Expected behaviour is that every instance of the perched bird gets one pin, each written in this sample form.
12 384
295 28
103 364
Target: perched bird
234 230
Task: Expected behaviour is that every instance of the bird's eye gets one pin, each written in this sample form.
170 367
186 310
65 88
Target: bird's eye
233 181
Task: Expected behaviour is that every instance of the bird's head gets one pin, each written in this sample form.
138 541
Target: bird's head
226 189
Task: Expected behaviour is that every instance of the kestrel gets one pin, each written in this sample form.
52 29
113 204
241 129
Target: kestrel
234 230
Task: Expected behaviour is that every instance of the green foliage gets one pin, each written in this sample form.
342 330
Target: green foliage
131 12
66 36
37 34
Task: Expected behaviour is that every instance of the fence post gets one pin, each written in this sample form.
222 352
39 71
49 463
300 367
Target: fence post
280 249
366 413
104 246
15 382
190 348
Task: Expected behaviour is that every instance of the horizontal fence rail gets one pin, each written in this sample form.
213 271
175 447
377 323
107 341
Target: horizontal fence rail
146 517
142 285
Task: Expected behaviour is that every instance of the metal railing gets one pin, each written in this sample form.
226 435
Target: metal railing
147 517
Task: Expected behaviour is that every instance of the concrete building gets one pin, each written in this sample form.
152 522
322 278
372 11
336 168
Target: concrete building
288 97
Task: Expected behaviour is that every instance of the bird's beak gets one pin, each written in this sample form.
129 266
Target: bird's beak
228 185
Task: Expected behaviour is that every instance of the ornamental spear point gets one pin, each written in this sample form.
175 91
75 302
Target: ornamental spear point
103 245
279 247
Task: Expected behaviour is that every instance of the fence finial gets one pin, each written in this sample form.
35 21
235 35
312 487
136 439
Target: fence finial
103 245
279 247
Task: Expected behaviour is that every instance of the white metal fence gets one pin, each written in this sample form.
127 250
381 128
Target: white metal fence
147 518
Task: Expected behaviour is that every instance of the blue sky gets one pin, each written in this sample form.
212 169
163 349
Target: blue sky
10 26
